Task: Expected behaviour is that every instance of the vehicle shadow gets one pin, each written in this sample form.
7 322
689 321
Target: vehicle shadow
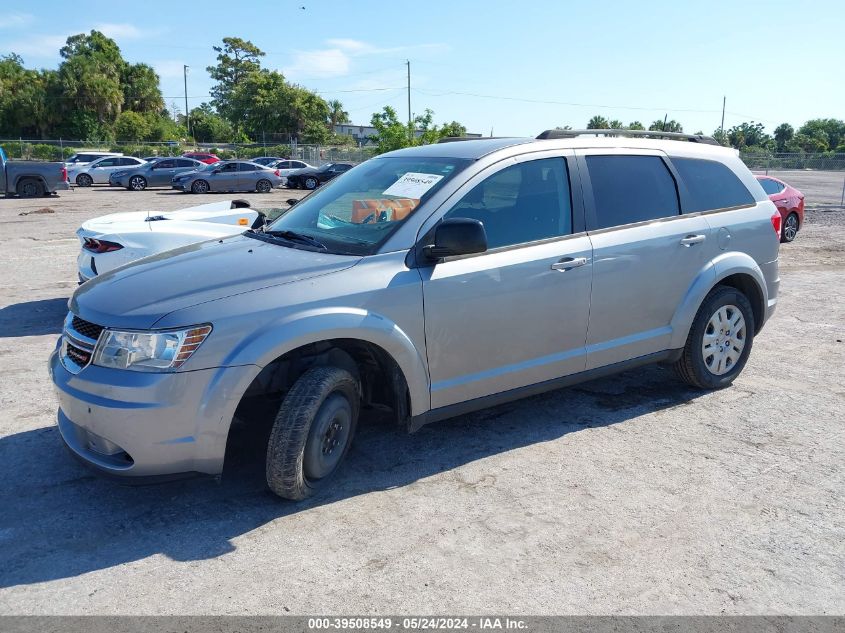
33 318
59 520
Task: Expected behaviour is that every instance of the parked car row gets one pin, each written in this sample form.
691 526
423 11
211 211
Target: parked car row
320 311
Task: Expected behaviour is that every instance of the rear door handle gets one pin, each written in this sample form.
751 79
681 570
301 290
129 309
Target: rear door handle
689 240
569 262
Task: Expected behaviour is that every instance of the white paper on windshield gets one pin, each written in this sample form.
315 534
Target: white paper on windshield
412 185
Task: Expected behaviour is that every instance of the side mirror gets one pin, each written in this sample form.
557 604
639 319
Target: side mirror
292 201
457 236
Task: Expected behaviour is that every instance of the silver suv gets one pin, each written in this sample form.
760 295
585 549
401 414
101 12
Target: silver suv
434 281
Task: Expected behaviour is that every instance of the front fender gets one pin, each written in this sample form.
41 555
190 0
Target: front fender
313 326
721 267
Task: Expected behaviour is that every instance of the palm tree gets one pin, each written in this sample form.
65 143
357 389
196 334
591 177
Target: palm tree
598 123
337 114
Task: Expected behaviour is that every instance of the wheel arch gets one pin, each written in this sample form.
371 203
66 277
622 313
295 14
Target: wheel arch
735 269
29 176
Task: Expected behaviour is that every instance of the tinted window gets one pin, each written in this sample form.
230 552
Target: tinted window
522 203
108 162
711 185
771 186
229 167
284 164
129 162
165 164
298 165
629 189
248 167
185 162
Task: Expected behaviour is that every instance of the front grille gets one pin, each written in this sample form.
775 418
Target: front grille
87 329
78 355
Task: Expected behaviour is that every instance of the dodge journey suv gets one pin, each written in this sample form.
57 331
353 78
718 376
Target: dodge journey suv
432 281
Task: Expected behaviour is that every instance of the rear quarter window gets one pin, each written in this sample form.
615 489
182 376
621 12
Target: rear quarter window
711 185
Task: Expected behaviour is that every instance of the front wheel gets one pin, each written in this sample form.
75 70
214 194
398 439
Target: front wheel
311 183
719 340
137 183
790 228
200 186
312 432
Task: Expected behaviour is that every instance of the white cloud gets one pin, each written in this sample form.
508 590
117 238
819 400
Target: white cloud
15 19
169 69
351 46
37 46
331 62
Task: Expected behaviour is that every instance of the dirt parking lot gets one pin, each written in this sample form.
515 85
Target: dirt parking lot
632 494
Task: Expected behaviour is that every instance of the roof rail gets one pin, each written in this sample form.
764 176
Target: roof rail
454 139
678 136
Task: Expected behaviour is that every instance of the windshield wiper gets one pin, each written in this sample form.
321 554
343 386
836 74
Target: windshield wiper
293 236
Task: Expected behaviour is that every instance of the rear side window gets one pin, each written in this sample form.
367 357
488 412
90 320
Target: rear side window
771 186
711 185
629 189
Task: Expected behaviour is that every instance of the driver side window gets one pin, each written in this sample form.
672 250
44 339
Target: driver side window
522 203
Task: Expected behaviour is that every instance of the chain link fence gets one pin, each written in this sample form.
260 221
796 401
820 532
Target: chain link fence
61 149
825 161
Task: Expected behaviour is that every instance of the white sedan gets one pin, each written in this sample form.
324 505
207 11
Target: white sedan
97 172
117 239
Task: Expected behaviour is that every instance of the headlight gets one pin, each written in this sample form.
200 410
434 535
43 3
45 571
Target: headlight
148 351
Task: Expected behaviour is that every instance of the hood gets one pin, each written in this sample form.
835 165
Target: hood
137 295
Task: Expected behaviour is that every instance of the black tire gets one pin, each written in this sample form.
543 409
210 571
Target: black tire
200 186
137 183
311 183
30 188
692 367
264 186
323 399
84 180
787 234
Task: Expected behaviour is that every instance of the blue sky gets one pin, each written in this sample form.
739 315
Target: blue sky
514 67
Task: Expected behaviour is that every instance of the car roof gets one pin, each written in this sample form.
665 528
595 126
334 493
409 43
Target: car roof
476 148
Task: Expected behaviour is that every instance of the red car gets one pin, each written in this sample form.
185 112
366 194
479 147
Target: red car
790 203
202 157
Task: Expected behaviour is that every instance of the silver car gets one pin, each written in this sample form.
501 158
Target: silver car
229 175
158 172
99 171
432 281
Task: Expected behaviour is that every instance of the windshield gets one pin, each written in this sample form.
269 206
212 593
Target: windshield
356 212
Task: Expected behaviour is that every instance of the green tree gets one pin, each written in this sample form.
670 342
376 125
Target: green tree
827 132
783 134
616 124
337 114
598 123
670 126
236 59
209 127
749 134
391 133
140 85
636 125
90 76
452 130
132 126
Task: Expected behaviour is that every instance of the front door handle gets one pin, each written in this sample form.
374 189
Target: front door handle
569 262
689 240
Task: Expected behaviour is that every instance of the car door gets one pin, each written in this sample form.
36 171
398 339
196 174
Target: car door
162 173
515 315
224 178
646 254
247 176
101 170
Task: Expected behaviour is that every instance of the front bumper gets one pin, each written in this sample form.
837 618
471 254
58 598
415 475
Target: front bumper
136 424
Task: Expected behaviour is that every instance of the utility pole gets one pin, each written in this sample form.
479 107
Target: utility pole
187 114
410 122
722 126
665 116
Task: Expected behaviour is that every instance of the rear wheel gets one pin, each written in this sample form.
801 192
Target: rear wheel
719 341
790 228
311 183
312 432
137 183
263 186
30 188
84 180
199 186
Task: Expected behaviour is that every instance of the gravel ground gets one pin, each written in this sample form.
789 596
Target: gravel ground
630 495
